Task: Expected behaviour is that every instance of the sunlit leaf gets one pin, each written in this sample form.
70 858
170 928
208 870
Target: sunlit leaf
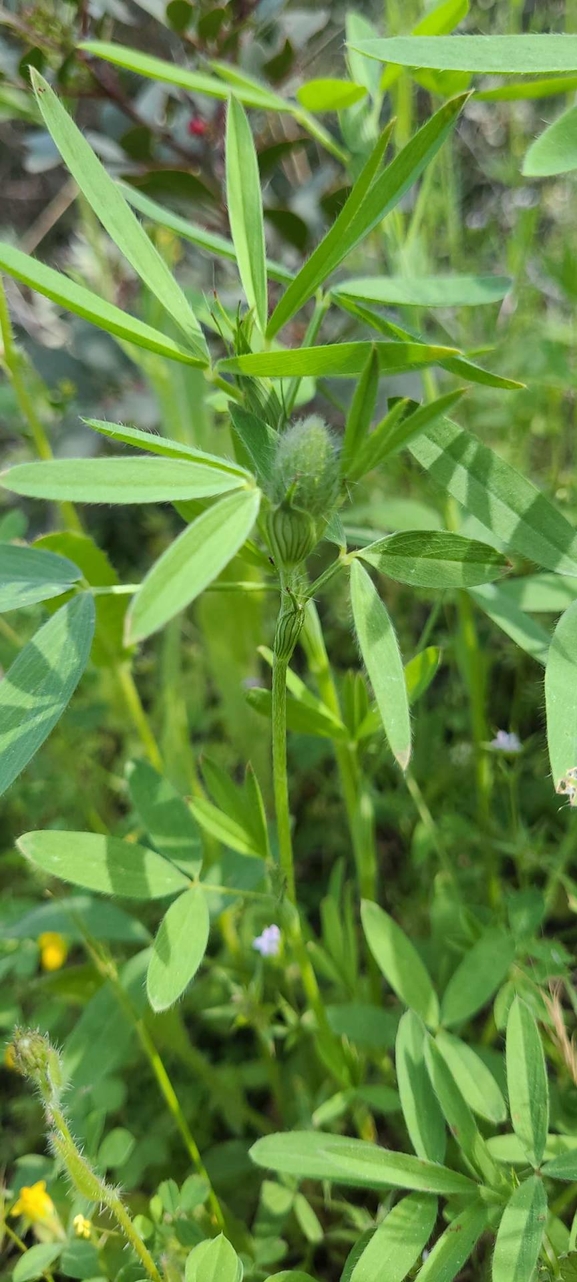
561 696
399 962
179 948
382 658
312 1156
118 480
195 558
245 210
105 864
76 298
40 683
520 1233
520 55
28 575
105 198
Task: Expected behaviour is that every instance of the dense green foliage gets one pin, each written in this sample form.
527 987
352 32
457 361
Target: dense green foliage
288 629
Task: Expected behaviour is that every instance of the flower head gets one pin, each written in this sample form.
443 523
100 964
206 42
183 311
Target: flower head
35 1203
53 950
268 943
82 1227
506 741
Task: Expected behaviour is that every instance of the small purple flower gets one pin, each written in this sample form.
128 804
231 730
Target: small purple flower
268 944
506 741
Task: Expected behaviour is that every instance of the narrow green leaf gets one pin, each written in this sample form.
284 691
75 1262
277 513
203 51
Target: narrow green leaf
163 445
76 298
500 497
337 360
555 150
561 700
458 365
420 670
245 210
28 575
398 1241
329 94
118 480
313 1156
527 1081
104 197
563 1167
399 962
452 1250
213 1261
179 948
540 593
329 253
460 1118
360 412
474 1080
226 828
423 1118
40 683
367 205
362 70
381 656
521 1233
36 1261
542 88
105 864
249 92
523 55
507 615
398 428
165 816
441 18
195 558
257 441
426 291
426 559
211 242
477 976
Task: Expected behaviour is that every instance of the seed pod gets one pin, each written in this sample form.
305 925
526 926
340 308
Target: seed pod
305 470
292 535
288 629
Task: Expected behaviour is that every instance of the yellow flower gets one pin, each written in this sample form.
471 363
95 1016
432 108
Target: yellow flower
53 950
82 1226
10 1058
35 1203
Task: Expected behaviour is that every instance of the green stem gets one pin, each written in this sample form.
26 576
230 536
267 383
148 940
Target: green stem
82 1174
133 702
279 764
107 968
356 795
13 364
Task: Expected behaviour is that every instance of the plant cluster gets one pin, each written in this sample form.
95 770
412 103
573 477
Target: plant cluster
271 1021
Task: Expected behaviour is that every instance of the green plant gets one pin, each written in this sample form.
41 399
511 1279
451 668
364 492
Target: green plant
277 506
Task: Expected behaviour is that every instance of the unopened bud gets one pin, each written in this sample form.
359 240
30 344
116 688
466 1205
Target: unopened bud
293 535
288 629
305 470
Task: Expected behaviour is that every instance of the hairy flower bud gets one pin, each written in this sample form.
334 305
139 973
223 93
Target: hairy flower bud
288 629
33 1055
305 470
292 534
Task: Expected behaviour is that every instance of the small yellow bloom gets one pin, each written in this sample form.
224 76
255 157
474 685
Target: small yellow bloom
10 1058
35 1203
53 950
82 1226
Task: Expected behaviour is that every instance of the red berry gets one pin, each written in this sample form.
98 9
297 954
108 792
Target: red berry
197 127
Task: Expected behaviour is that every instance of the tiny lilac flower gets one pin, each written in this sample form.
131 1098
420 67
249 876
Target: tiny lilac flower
506 741
268 944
